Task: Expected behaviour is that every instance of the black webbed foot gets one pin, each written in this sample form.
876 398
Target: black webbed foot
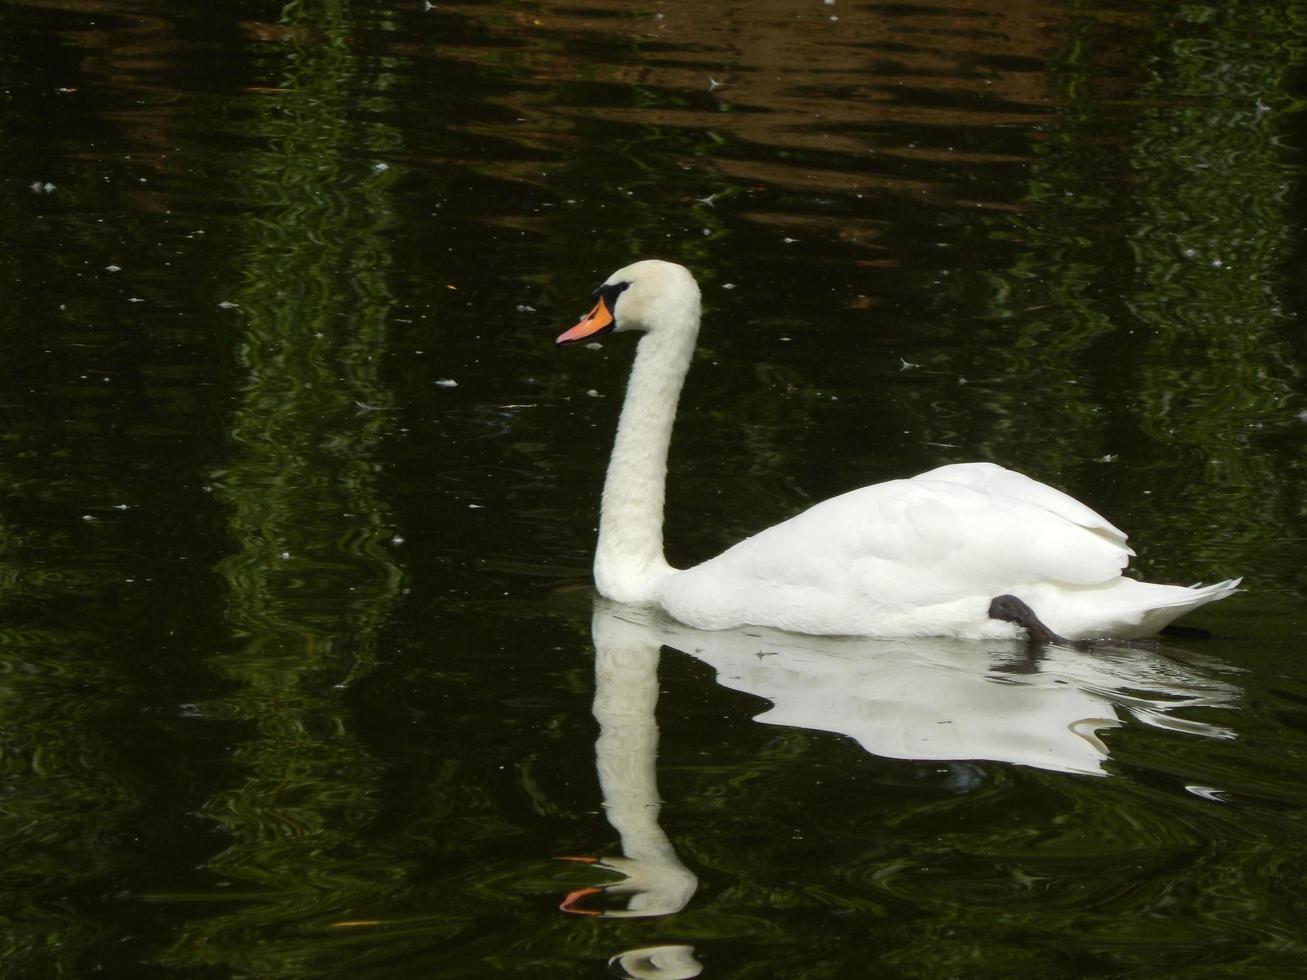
1010 609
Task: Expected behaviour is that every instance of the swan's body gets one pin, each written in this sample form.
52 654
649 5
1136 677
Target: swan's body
918 557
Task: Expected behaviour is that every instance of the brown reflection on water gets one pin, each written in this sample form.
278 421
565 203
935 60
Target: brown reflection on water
823 78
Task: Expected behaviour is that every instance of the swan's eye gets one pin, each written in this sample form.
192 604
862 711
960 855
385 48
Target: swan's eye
609 292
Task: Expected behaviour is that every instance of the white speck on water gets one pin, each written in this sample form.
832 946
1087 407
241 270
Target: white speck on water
87 517
1302 416
1217 263
476 506
42 188
592 393
907 365
786 339
225 305
119 506
284 555
380 168
447 383
789 241
728 285
113 268
1108 458
135 299
523 308
595 345
396 540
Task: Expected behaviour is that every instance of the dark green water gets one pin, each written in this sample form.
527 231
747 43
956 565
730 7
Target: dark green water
298 672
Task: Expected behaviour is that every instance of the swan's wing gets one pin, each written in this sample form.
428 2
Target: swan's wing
994 479
934 541
907 543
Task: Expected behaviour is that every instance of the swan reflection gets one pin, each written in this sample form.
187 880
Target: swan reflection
918 699
626 755
940 699
657 963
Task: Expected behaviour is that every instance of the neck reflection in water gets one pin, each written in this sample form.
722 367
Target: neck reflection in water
626 755
915 699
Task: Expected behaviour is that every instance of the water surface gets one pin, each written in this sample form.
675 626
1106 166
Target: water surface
301 670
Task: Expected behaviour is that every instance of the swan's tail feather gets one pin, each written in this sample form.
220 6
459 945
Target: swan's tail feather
1198 594
1126 610
1164 609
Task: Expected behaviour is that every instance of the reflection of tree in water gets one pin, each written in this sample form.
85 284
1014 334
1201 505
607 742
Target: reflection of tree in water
65 792
310 584
1133 344
1212 232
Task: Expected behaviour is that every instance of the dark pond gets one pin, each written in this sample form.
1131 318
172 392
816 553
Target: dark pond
301 673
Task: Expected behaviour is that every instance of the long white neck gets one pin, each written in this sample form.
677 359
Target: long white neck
629 560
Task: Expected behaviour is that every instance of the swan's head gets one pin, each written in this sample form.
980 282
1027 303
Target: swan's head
653 296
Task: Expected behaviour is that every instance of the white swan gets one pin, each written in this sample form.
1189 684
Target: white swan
970 550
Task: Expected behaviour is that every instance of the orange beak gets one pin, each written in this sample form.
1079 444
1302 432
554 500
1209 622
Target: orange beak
569 903
595 322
